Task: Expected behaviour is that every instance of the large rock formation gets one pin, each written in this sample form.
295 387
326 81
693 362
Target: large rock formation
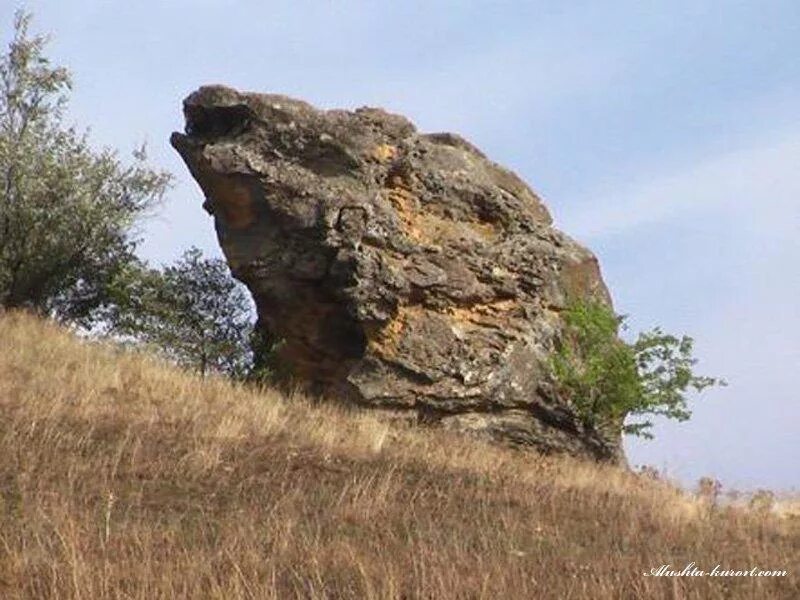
403 271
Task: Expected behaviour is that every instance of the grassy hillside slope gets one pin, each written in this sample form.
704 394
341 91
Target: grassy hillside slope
124 478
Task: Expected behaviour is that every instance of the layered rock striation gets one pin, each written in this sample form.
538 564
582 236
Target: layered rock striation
403 271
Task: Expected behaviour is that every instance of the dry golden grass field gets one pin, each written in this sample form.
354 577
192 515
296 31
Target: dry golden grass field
121 477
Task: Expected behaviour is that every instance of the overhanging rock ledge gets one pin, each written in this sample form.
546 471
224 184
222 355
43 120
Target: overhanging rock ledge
403 271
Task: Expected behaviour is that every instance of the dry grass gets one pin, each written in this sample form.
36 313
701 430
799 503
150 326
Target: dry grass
124 478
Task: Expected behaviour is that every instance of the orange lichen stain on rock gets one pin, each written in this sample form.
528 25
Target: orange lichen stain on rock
426 227
407 206
484 229
385 342
439 228
483 314
383 153
430 229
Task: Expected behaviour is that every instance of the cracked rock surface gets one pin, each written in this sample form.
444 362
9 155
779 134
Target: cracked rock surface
403 271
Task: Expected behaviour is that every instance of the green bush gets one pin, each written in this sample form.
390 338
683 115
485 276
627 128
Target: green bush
608 380
193 311
196 314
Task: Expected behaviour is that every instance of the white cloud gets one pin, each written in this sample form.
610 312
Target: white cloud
760 183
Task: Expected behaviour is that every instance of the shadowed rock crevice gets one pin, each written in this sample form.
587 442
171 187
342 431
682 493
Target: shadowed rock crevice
404 271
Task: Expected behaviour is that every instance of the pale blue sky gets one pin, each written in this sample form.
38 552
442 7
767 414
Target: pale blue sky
664 135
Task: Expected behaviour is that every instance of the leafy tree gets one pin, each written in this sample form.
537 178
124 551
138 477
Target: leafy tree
607 379
193 312
66 211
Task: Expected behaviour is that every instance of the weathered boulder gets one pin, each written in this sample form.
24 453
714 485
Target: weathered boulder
404 271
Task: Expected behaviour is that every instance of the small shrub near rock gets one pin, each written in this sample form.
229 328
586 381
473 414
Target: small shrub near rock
610 381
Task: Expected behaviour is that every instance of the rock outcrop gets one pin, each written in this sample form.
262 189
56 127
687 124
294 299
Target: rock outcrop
403 271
